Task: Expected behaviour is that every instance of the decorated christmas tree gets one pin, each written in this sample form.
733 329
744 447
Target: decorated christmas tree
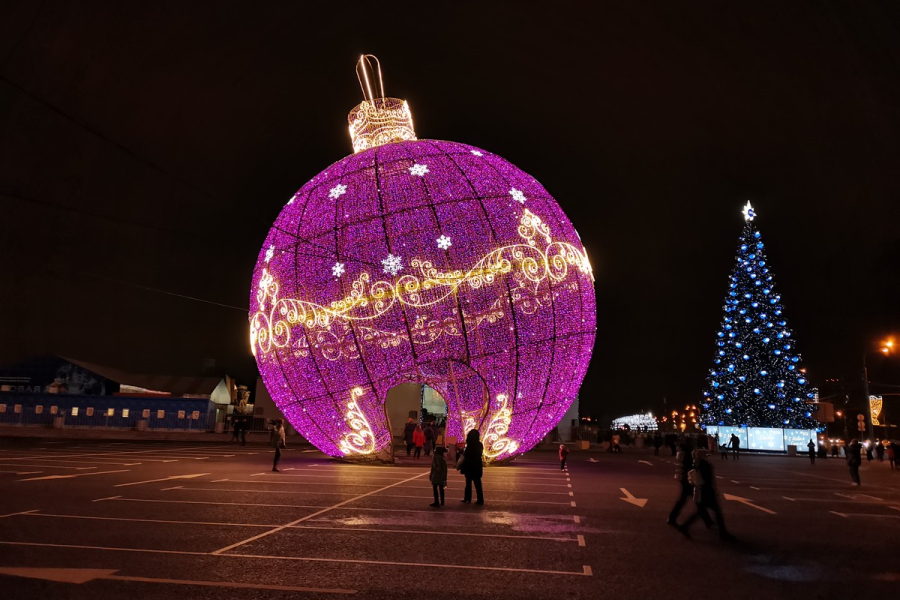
756 378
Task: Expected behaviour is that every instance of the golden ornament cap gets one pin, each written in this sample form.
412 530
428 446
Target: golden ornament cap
377 120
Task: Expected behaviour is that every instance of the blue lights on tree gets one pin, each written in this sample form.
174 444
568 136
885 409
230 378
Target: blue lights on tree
756 378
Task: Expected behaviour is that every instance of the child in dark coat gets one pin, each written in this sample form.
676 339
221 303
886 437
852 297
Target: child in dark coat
438 476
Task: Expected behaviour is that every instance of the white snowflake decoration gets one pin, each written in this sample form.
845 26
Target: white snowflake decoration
270 253
291 201
337 191
338 269
444 242
477 153
392 264
517 195
418 169
749 212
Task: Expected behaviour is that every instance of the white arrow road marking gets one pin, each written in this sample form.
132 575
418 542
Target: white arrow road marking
646 462
47 477
163 479
80 576
592 460
748 502
641 502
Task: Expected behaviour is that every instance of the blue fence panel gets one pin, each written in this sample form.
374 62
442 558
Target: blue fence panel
173 414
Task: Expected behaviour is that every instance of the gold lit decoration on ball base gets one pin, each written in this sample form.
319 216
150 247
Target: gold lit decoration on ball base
377 120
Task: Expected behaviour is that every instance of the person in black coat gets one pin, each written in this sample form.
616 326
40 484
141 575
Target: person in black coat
429 438
705 497
472 467
408 435
685 462
854 459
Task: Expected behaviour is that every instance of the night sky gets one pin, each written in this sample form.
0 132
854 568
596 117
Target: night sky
146 148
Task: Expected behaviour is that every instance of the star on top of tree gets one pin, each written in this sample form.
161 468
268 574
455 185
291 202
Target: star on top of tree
517 195
418 169
337 191
338 269
443 242
392 264
749 212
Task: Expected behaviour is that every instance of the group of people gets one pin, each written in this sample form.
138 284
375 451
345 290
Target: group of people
418 437
470 464
240 425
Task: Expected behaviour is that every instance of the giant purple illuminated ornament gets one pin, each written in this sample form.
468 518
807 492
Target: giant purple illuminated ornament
424 261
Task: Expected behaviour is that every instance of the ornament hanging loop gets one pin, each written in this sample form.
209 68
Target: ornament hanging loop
377 120
366 74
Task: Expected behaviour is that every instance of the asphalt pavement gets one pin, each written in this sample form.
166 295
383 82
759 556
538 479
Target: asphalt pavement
113 519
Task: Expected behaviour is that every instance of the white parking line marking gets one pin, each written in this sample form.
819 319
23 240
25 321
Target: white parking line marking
581 540
163 479
586 570
50 467
25 512
109 498
315 514
22 472
48 477
80 576
577 519
35 513
873 516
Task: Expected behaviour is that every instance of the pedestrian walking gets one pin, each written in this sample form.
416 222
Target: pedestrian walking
616 439
868 452
472 467
563 455
245 427
736 446
235 428
683 464
418 440
890 453
835 450
276 440
724 451
854 459
438 477
812 452
879 450
657 442
408 435
429 438
705 498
